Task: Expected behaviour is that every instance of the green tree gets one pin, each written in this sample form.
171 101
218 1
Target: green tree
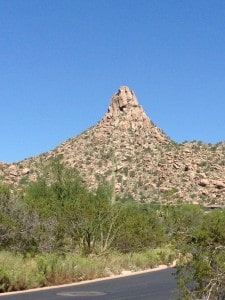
140 228
92 220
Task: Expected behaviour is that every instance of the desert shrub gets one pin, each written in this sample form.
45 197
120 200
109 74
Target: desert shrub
140 228
180 220
201 272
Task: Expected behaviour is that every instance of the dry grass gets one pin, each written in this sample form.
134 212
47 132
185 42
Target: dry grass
19 273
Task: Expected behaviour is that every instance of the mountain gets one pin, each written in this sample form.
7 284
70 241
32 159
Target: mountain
126 149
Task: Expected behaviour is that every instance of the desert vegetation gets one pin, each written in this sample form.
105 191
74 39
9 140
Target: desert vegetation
55 230
201 268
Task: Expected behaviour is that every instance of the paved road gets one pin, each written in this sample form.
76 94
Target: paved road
158 285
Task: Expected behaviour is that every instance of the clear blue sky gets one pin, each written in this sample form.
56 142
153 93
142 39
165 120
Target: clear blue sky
60 62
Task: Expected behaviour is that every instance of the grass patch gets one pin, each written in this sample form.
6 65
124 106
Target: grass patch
19 273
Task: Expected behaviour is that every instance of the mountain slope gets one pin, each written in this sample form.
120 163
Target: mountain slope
125 148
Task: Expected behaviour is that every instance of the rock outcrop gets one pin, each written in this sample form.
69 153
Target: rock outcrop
124 101
125 113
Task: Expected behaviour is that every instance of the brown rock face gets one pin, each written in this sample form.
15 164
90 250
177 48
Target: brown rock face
125 113
123 99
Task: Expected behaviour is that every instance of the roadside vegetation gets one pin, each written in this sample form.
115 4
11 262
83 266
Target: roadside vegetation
56 231
201 268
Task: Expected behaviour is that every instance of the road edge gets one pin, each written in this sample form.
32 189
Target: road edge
124 273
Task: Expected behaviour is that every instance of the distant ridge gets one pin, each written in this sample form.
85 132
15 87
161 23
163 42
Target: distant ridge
125 148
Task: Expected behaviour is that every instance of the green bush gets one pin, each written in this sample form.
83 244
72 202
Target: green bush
203 259
140 228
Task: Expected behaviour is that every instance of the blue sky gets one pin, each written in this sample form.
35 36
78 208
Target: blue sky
61 61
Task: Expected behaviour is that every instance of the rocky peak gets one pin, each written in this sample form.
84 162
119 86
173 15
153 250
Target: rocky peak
123 99
124 109
126 148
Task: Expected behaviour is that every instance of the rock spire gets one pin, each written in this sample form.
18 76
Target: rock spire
125 110
123 99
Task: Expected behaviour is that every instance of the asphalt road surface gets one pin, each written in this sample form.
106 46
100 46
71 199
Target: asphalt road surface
158 285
